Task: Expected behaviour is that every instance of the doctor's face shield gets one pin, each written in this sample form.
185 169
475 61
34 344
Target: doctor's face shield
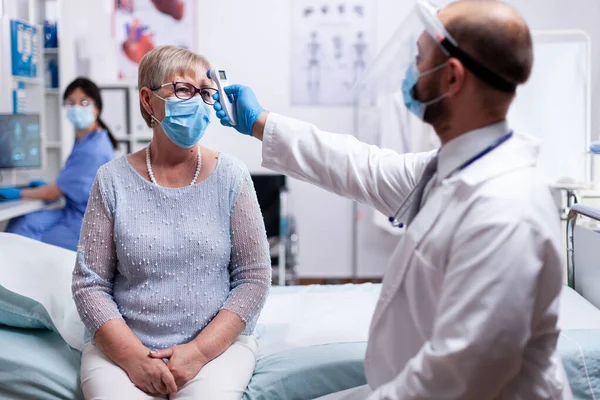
410 66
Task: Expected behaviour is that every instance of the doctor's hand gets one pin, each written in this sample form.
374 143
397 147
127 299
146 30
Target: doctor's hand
185 361
247 108
10 193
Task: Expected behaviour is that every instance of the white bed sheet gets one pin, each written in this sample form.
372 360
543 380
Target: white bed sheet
576 312
304 316
313 315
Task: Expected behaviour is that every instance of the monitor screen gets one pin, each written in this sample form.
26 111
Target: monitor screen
20 143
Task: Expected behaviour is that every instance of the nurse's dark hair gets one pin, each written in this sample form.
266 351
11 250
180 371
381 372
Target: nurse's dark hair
93 92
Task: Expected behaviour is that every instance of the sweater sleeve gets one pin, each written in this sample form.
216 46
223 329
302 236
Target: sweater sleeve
96 264
250 265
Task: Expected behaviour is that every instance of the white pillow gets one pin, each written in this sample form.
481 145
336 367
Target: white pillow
43 273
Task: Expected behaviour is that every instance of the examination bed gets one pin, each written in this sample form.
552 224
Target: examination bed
313 338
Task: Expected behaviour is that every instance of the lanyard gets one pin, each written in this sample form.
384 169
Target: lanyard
395 220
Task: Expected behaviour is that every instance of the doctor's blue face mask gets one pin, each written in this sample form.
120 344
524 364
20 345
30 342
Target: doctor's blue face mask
185 120
414 105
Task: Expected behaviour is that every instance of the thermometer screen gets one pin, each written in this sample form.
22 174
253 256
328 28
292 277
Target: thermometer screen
222 75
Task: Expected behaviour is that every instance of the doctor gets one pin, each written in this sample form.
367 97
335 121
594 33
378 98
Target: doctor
469 303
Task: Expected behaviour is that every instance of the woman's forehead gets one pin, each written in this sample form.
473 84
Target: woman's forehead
198 79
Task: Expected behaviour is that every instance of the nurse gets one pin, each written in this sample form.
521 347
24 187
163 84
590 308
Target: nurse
94 146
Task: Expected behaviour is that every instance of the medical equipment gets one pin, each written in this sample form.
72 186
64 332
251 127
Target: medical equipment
20 141
219 76
406 205
583 258
280 224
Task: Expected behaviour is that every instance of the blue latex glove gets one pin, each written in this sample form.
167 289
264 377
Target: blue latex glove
246 107
37 183
10 193
595 147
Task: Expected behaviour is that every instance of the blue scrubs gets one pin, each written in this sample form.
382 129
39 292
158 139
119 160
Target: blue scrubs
61 227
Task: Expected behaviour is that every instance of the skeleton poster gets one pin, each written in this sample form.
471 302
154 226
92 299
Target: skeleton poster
332 43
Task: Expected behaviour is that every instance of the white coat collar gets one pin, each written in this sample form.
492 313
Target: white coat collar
459 150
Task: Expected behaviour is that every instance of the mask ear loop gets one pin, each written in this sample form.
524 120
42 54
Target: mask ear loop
153 118
432 70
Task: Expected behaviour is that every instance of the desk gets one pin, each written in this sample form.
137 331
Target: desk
16 208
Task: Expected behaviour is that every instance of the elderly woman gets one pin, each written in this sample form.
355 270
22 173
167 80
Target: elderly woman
172 265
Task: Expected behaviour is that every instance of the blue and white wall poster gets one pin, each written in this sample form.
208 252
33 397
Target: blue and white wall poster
332 43
25 49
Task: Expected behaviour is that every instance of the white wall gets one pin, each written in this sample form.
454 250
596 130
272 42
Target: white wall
575 14
252 40
256 51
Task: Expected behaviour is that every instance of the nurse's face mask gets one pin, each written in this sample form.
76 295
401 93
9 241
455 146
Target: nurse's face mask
406 69
185 120
83 115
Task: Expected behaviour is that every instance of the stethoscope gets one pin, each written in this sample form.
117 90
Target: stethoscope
395 220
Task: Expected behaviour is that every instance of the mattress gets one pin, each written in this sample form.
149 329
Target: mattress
313 343
312 340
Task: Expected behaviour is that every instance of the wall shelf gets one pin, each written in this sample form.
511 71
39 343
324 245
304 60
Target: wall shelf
53 145
28 81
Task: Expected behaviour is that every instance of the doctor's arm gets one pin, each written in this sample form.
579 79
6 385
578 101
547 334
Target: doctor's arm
484 317
338 163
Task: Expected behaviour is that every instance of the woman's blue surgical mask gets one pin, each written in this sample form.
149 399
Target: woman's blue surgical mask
415 106
81 116
185 121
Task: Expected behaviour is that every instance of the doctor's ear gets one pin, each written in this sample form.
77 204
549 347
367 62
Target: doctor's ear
456 77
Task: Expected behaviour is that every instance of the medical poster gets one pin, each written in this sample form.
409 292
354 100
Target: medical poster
141 25
332 43
25 49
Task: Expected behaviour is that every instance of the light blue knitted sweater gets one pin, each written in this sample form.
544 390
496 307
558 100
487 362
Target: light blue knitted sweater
167 260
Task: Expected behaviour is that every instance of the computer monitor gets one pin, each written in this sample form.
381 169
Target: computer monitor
20 143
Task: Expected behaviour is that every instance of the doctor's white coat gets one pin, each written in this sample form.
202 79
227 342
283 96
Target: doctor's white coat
469 303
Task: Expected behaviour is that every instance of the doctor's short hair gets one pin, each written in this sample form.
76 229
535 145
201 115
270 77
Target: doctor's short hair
506 49
164 62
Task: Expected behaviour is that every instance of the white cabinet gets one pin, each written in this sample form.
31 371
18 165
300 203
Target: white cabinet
115 111
122 115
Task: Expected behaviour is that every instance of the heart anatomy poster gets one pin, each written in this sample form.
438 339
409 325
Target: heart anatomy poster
141 25
332 43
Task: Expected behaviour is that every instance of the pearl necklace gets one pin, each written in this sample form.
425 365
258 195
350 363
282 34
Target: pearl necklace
151 174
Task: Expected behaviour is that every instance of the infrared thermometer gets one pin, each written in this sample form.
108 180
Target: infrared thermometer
219 76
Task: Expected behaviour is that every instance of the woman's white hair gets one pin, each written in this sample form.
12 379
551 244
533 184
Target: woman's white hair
164 62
